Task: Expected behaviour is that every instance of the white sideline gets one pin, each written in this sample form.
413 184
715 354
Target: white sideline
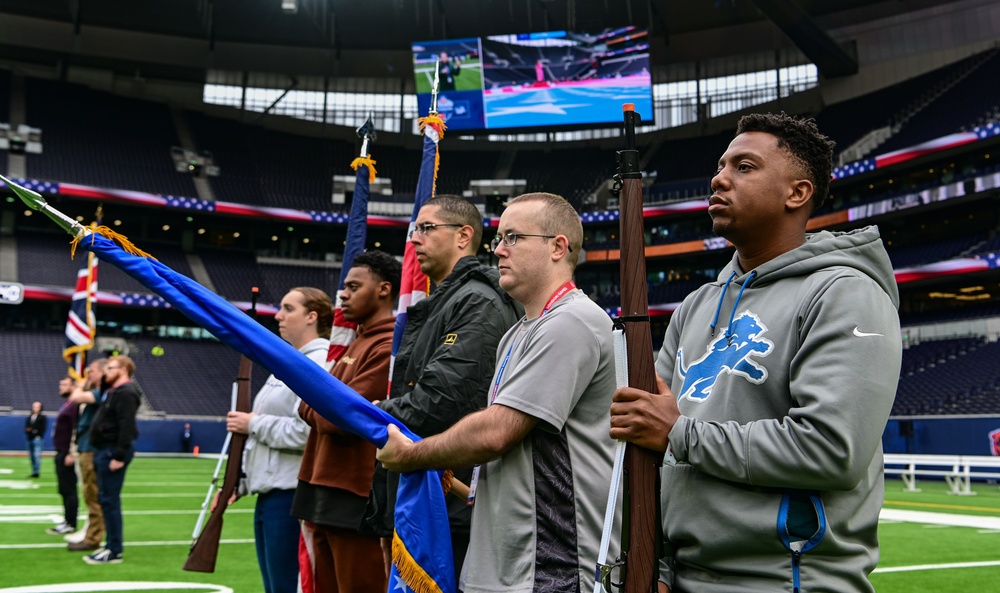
975 521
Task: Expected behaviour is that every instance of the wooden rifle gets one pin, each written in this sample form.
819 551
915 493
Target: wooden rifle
641 517
205 548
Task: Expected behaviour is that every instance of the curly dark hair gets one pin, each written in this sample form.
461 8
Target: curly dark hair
382 265
801 138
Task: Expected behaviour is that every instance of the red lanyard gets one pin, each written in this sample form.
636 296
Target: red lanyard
558 294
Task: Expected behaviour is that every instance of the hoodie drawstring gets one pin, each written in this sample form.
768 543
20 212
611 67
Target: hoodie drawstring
718 309
732 314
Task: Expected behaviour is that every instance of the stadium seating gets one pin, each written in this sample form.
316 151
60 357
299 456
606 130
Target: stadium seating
956 376
189 378
25 374
44 260
931 252
958 109
279 279
268 168
103 148
234 272
848 121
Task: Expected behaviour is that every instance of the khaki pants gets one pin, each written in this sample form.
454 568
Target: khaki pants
95 518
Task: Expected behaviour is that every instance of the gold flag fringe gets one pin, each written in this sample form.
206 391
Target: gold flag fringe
365 160
415 576
437 123
118 238
446 479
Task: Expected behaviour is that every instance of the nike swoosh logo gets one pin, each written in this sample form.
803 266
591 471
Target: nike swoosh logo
861 334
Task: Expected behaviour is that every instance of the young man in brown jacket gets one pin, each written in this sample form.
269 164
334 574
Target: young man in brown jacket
337 466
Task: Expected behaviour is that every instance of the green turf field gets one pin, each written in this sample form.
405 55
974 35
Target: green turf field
162 498
469 79
160 504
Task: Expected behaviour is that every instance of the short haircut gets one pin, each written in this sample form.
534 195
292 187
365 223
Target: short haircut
558 217
126 363
314 299
457 210
383 265
802 139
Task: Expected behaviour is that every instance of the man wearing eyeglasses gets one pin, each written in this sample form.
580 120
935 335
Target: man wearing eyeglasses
544 460
448 350
112 433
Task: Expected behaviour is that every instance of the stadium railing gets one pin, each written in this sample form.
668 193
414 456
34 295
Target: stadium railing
957 470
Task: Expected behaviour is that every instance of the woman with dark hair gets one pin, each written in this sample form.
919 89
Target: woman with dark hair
276 437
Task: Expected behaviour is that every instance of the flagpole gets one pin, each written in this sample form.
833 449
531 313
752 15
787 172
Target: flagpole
343 332
421 515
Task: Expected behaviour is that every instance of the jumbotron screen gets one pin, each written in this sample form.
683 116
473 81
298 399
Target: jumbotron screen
536 80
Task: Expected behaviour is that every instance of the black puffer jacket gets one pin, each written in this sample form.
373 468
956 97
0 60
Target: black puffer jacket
446 360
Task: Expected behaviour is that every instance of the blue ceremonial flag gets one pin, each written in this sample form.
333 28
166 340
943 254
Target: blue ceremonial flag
343 332
422 533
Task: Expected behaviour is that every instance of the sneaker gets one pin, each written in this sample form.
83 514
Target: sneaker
82 547
61 529
103 556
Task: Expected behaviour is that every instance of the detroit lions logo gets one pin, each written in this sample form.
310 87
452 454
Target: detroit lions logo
729 353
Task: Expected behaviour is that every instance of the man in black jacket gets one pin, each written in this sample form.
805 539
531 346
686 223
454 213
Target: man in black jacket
446 358
112 432
62 440
34 431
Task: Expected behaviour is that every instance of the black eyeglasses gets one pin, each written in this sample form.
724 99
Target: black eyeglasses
426 227
510 240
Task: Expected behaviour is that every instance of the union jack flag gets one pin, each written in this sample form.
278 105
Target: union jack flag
81 324
414 284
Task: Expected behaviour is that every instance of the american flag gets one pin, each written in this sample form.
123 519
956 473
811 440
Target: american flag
344 332
81 323
414 285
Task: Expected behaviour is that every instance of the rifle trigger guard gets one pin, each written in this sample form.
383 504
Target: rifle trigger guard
617 187
604 575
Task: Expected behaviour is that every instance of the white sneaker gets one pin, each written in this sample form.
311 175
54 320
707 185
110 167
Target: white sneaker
103 556
75 538
61 529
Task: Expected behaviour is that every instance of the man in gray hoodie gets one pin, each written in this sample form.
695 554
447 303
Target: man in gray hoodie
779 380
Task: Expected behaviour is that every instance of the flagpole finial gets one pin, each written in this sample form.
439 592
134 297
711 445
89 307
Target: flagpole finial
34 200
367 133
436 86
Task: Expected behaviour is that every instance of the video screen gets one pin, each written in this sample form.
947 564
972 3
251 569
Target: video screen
536 80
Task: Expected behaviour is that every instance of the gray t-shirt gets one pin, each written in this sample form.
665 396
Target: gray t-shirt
539 510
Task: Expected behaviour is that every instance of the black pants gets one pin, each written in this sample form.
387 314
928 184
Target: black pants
66 474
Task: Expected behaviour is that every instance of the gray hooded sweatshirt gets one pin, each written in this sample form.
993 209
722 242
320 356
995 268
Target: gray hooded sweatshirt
784 376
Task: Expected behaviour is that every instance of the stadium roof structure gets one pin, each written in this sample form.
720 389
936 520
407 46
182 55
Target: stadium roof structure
182 38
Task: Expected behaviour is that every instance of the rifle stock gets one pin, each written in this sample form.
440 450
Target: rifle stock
205 549
641 504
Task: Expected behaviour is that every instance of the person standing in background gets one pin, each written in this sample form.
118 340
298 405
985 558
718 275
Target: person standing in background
87 395
34 431
186 438
62 440
112 432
